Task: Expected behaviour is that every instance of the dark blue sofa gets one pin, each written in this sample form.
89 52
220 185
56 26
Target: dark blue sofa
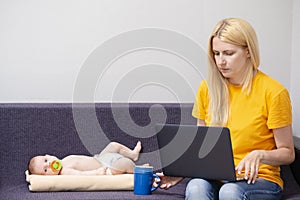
27 130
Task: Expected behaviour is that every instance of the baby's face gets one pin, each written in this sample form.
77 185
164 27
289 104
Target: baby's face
42 165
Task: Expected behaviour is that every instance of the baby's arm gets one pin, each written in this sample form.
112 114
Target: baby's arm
70 171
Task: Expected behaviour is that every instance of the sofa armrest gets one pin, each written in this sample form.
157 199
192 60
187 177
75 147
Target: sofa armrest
297 142
295 166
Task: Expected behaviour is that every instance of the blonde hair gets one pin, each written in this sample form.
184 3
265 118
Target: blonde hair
237 32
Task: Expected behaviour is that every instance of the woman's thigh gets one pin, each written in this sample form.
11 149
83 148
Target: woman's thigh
262 189
202 189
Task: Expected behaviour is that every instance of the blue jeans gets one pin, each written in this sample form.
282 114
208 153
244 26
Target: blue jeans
240 190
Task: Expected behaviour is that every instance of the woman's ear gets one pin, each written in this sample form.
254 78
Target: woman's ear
248 53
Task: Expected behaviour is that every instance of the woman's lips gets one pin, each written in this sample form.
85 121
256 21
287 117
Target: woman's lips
224 70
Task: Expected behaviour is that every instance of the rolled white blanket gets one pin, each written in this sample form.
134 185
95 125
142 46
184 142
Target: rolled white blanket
42 183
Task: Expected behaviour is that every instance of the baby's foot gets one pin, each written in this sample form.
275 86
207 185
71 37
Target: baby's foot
136 150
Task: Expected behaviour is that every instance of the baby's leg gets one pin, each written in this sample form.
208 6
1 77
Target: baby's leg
115 147
122 166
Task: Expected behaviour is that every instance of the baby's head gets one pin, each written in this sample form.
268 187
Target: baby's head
41 165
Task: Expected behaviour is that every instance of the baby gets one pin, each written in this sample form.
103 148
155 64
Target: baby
114 159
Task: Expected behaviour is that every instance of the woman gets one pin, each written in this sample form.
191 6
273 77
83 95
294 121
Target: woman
256 109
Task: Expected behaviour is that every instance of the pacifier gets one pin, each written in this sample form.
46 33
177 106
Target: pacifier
56 165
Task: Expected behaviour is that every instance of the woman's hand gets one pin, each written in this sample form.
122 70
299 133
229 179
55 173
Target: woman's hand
166 181
284 154
250 163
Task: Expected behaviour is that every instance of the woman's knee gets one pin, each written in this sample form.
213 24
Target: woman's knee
231 191
199 188
197 184
194 185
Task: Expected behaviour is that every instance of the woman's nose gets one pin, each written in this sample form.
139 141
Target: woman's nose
221 60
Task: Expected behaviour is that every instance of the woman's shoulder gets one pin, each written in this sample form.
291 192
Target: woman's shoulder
267 83
203 84
268 80
203 87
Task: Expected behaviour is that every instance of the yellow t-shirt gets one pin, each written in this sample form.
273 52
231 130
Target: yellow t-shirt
252 118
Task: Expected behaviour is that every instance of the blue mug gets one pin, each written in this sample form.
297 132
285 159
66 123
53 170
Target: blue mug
143 179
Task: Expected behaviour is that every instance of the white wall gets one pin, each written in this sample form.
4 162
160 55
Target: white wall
295 70
44 46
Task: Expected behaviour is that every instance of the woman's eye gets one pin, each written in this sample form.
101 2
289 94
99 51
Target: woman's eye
46 160
45 170
230 53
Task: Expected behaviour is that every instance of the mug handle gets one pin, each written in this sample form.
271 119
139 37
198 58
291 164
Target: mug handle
154 188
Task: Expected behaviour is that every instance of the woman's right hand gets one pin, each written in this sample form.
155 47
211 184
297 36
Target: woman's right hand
166 181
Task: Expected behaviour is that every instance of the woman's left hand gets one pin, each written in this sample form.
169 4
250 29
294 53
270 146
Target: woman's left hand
250 163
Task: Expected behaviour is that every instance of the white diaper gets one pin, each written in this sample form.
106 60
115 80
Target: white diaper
108 158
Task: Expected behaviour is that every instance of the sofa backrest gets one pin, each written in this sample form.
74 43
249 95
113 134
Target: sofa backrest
27 130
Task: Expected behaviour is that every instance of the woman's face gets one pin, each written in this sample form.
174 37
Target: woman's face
231 60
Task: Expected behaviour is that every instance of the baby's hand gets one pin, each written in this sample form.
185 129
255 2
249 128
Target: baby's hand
101 171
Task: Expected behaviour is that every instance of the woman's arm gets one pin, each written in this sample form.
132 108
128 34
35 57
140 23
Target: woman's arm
283 154
166 181
200 122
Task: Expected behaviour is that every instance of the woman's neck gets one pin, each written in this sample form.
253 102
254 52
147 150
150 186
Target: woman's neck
240 81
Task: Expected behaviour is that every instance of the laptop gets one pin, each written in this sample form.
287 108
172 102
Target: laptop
196 151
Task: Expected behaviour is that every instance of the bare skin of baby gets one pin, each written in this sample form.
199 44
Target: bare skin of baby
89 165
